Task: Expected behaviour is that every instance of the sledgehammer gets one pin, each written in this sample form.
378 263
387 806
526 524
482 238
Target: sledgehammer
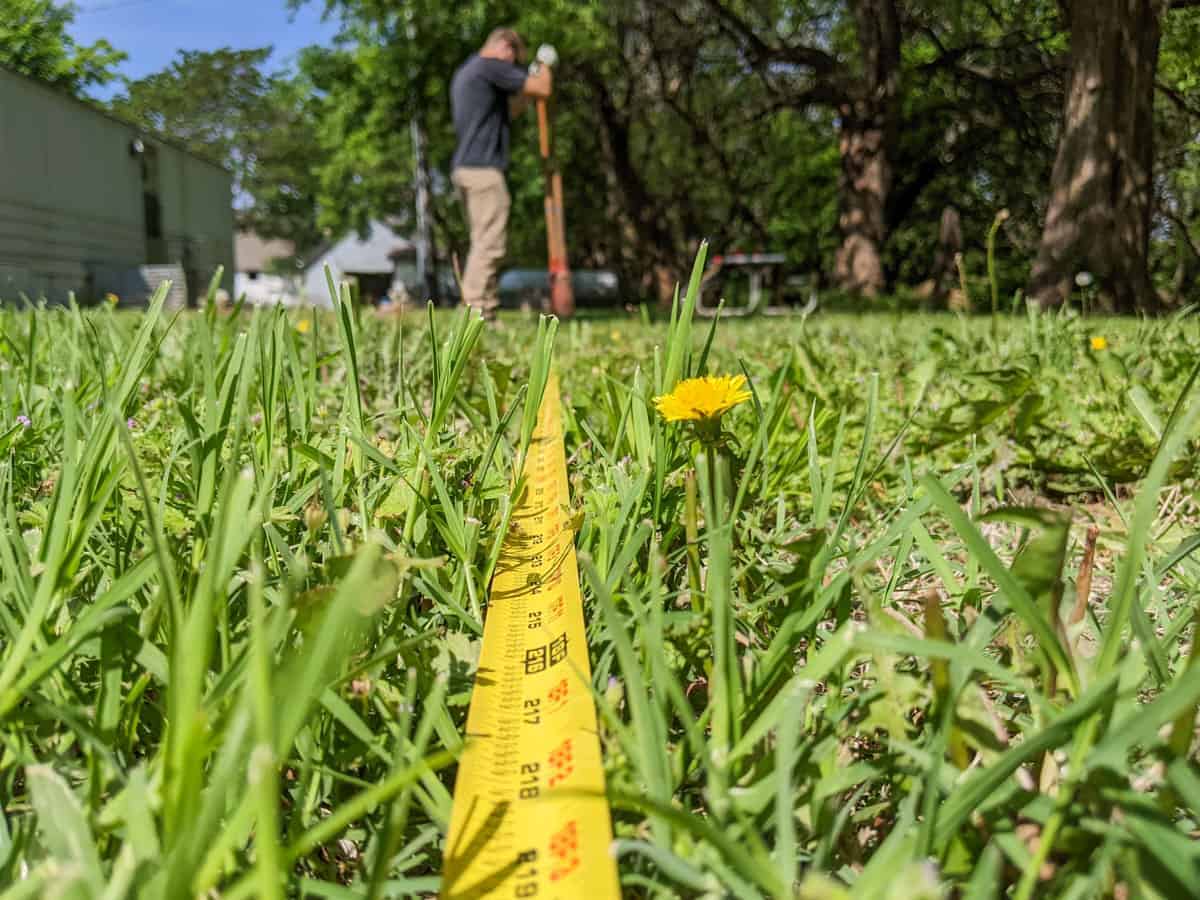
562 296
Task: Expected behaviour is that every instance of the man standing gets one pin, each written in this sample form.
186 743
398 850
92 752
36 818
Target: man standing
487 90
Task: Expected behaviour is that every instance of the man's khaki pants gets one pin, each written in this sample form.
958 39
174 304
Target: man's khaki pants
485 196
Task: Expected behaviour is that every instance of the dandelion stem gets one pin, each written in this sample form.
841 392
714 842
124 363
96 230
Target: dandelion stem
692 534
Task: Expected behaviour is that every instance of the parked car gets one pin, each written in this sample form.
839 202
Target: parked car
527 287
405 285
531 287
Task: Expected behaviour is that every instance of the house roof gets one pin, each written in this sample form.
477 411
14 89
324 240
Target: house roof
374 254
252 253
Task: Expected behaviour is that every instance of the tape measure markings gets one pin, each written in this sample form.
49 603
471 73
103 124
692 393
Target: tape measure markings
530 817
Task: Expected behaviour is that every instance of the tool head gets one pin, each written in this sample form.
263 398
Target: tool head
562 294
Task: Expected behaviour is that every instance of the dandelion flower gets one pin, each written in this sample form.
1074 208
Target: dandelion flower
703 399
111 299
1099 342
303 325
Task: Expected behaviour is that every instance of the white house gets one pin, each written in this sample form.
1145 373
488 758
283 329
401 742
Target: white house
378 263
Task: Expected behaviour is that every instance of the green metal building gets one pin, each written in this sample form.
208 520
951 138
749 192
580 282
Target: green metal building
90 204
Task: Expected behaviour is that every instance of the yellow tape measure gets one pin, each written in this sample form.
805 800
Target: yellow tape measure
530 816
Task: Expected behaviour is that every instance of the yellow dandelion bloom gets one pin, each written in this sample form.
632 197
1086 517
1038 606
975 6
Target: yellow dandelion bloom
303 325
111 299
702 399
1099 342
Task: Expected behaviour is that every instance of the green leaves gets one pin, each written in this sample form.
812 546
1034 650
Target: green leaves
36 40
1037 569
64 828
679 334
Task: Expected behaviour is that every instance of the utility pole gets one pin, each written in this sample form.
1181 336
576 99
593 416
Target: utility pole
426 260
426 264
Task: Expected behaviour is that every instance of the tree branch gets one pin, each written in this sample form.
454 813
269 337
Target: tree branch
953 59
1178 222
800 55
1177 98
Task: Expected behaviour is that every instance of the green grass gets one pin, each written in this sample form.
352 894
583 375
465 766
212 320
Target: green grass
243 569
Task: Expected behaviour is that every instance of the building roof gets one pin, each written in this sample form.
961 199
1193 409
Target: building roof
252 253
95 108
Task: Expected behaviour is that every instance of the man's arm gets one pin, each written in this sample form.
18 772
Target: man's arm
538 86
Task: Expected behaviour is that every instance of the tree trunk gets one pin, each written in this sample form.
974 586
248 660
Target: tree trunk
950 243
863 187
647 235
866 142
1101 189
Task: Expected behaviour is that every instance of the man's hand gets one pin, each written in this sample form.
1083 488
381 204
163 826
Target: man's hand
539 84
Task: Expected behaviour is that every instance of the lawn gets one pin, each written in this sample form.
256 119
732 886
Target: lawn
931 633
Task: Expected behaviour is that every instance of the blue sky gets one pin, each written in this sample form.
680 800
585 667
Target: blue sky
152 31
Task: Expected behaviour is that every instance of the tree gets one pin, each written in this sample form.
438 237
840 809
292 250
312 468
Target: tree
206 101
1101 190
34 41
1177 155
846 57
927 98
869 118
280 177
225 106
665 123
